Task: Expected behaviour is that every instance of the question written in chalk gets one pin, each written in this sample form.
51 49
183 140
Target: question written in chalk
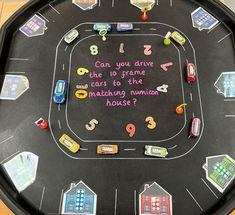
122 84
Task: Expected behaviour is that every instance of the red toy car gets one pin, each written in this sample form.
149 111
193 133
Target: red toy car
195 127
191 72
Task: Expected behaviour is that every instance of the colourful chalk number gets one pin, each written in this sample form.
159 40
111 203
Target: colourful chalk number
81 94
82 71
163 88
147 50
130 128
94 50
151 122
91 125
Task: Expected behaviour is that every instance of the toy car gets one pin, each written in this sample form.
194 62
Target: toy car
195 127
107 149
178 38
60 92
155 151
121 26
71 36
102 26
69 143
190 72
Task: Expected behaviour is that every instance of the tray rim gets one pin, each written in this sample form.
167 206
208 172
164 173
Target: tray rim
10 196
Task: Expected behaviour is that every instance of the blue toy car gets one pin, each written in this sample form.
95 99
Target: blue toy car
124 26
60 92
101 26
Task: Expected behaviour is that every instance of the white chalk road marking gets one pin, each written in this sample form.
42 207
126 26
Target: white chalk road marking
164 86
135 202
194 199
229 116
115 202
173 147
3 141
191 97
43 17
43 191
20 59
59 124
54 9
224 38
129 149
209 188
56 54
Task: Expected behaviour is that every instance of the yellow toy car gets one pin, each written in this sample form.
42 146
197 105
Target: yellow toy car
177 37
107 149
69 143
